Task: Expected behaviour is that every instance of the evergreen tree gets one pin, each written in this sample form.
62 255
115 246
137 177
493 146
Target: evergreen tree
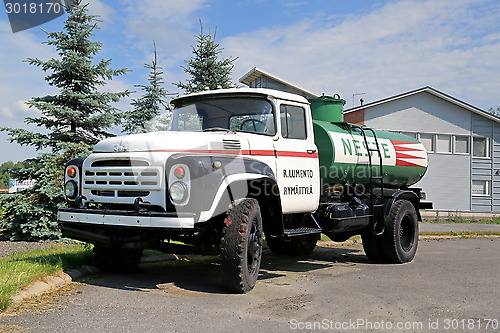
145 117
205 69
495 112
74 119
79 113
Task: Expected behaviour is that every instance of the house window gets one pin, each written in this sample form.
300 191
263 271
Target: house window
480 146
443 143
461 144
480 187
411 135
428 141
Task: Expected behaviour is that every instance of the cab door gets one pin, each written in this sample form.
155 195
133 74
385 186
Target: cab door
297 163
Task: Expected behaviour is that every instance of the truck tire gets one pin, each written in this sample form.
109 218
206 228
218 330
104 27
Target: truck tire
300 245
400 238
372 244
117 260
241 246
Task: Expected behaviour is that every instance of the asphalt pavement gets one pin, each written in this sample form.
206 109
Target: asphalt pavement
450 282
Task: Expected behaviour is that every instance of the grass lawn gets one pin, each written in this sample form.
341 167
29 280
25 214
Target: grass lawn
457 218
21 269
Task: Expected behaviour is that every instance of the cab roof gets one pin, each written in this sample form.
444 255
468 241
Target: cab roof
244 92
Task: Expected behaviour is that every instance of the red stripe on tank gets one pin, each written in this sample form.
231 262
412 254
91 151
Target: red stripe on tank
407 164
401 155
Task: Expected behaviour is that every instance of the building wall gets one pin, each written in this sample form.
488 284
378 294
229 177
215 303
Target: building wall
487 168
421 112
269 83
356 117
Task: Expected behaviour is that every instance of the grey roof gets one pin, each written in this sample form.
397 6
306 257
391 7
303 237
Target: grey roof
434 92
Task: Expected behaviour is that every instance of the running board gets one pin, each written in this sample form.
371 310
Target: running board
301 231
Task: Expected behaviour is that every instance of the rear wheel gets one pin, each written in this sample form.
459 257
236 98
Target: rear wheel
241 246
400 238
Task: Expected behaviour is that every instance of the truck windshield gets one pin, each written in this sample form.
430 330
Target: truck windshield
230 113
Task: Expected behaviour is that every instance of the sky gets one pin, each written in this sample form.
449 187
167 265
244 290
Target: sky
374 47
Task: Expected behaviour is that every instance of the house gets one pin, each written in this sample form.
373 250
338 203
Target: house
258 78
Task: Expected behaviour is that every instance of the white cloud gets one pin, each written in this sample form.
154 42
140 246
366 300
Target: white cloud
97 7
172 24
6 112
399 47
165 10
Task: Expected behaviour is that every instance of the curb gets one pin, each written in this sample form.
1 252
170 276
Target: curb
358 241
55 281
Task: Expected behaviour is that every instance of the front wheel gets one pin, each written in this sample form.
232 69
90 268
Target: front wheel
400 238
241 245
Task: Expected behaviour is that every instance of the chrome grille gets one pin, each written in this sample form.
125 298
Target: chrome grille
110 180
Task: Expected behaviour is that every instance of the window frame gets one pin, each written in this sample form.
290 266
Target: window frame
455 144
306 130
450 151
433 136
487 187
488 147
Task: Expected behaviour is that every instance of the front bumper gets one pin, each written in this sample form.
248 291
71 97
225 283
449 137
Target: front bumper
130 219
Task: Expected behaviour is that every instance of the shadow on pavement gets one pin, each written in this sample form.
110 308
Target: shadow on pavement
197 274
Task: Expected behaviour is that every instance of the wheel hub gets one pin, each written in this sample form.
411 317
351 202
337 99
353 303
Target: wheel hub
254 249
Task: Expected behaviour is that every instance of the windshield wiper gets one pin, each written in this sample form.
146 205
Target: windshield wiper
213 129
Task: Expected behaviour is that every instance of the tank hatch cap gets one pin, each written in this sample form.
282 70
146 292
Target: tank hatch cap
328 108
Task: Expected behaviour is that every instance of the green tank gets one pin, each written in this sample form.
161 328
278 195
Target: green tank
343 155
326 108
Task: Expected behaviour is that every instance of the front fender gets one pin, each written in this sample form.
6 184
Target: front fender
217 180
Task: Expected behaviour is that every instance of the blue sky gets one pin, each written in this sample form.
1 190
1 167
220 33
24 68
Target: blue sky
380 48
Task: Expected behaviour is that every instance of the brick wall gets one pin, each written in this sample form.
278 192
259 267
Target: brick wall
356 117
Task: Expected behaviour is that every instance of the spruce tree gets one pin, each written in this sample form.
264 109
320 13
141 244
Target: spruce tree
145 117
205 68
74 119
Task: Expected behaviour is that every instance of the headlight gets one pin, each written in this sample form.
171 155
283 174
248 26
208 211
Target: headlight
71 189
178 192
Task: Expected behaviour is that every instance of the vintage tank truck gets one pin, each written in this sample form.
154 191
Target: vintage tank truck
241 165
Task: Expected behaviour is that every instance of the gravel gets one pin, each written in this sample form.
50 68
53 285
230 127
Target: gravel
7 247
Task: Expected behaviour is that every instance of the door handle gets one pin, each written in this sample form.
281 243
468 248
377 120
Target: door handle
311 151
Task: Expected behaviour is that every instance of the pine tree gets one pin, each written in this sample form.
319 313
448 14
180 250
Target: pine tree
205 69
145 117
495 112
74 119
79 113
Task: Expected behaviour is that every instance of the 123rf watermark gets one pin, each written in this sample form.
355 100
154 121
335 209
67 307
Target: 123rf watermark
26 14
444 324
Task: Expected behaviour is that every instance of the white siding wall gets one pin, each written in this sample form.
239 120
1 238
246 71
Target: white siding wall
420 112
266 82
482 168
447 182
